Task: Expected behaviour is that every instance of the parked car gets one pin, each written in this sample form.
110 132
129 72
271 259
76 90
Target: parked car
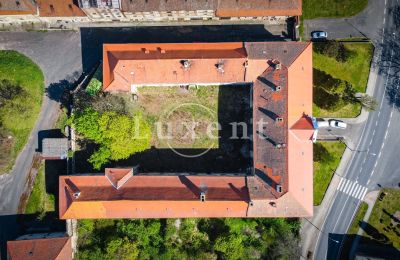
337 124
323 124
319 35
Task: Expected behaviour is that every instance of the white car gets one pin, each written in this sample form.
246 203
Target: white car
337 124
319 35
323 124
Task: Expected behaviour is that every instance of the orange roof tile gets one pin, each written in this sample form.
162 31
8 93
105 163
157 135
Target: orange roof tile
58 248
14 7
138 64
59 8
282 149
256 8
223 8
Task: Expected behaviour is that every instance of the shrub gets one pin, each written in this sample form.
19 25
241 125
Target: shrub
94 87
333 49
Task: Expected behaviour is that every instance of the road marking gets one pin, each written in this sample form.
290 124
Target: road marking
384 20
386 134
351 188
379 156
340 183
355 191
384 11
364 193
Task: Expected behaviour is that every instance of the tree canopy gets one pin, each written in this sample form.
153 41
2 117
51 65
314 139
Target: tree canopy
103 120
189 239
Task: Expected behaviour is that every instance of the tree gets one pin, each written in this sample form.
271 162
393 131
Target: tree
368 102
231 246
333 49
121 248
119 136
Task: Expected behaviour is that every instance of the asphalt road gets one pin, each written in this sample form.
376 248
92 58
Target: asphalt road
363 24
58 54
377 162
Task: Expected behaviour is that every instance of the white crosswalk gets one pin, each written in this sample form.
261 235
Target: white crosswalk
352 188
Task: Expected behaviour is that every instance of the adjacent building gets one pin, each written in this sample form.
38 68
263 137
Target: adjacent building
275 11
279 183
49 246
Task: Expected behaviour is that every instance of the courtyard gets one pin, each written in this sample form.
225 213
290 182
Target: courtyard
195 129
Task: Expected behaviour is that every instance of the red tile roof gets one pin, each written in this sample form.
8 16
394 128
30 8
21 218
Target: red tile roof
17 7
223 8
59 8
256 8
127 64
38 249
281 184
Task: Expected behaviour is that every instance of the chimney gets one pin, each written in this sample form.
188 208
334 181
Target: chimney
279 188
220 66
186 64
279 120
278 88
147 51
202 196
161 50
76 194
281 145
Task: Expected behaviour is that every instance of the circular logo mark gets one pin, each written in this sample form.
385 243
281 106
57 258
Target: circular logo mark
192 129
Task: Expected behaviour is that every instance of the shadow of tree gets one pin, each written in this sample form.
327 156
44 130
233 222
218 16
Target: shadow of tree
388 63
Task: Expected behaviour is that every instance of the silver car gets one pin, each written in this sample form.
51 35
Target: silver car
319 35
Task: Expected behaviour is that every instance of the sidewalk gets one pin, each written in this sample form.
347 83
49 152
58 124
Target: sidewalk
370 199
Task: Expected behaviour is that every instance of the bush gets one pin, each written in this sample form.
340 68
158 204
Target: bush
9 91
333 49
94 87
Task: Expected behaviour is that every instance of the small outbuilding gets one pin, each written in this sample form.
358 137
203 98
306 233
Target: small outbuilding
55 148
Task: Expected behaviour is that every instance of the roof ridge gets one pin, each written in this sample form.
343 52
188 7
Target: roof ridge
305 48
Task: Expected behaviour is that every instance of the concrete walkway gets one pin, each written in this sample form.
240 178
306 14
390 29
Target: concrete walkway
370 199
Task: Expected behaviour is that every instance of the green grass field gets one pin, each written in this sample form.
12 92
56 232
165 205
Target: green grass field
332 8
19 117
40 201
355 71
327 157
355 224
385 217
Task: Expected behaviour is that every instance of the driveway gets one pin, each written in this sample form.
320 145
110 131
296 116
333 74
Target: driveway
364 24
58 54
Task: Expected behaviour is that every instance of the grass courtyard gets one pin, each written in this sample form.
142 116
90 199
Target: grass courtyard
18 116
354 71
328 8
327 157
384 222
190 128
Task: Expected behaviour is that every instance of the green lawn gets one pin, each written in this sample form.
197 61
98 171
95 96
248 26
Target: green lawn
385 218
40 201
355 225
328 8
355 71
19 116
327 157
